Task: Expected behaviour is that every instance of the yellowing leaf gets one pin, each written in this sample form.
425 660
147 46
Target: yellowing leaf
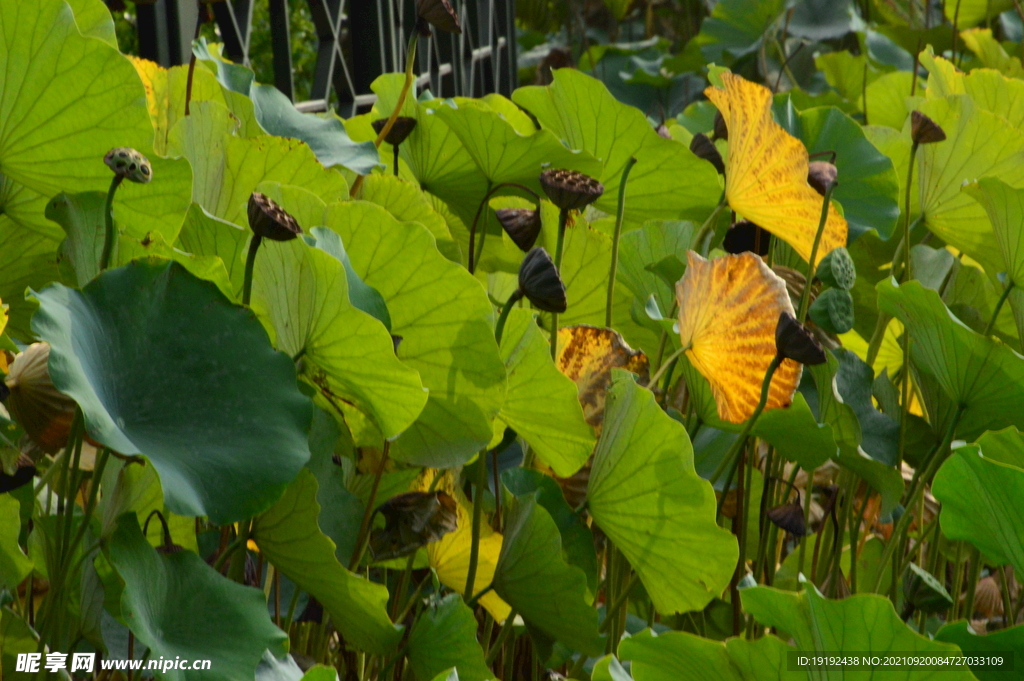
728 310
449 556
766 172
587 355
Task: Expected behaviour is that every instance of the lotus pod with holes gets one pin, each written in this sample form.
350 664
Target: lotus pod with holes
832 310
129 164
569 189
837 269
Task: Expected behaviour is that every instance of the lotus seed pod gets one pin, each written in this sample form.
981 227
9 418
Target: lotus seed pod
269 220
569 189
540 283
789 517
129 164
837 269
721 131
521 224
832 310
439 14
704 148
924 130
821 175
403 127
746 236
795 342
34 403
924 592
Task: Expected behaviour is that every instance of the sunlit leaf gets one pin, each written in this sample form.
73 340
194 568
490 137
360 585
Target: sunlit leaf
646 496
766 171
983 44
1005 208
967 13
408 204
728 310
14 564
680 656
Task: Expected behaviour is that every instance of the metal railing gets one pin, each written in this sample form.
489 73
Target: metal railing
358 41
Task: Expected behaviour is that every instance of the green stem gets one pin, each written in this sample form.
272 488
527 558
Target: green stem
999 307
478 514
110 237
563 219
474 252
737 444
615 240
250 262
499 642
363 538
612 613
805 299
499 328
972 583
709 224
236 571
906 276
665 365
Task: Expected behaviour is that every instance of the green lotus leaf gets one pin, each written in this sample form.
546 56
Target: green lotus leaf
652 243
991 53
868 184
1005 207
736 28
978 143
347 353
17 637
541 403
608 668
865 623
972 12
203 234
447 329
228 168
888 102
983 503
991 643
443 637
645 495
581 112
289 537
989 90
178 606
14 564
363 296
94 20
134 349
535 580
679 656
408 204
981 374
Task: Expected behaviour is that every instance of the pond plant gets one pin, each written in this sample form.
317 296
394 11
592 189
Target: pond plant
472 389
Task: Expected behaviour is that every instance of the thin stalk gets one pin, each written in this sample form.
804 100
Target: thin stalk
615 240
737 444
110 235
855 541
807 519
362 539
499 328
192 60
999 307
396 159
250 262
236 571
1007 601
972 583
403 584
621 600
503 635
906 276
958 582
767 491
805 299
474 254
665 365
563 219
478 514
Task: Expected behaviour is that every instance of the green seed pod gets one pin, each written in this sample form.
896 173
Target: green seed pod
837 269
569 189
540 283
129 164
924 592
833 311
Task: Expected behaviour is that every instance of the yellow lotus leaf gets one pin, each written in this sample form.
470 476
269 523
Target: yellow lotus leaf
587 355
728 310
766 171
3 324
449 556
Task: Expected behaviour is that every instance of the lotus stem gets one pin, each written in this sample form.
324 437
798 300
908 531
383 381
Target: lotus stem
619 213
999 306
396 159
474 256
563 220
708 225
503 635
478 513
805 298
362 539
906 276
110 236
250 261
613 612
499 328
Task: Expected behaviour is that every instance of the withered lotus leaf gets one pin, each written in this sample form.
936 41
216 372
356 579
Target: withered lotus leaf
728 311
766 171
412 520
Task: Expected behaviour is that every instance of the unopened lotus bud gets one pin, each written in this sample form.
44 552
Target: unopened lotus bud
269 220
403 127
521 224
924 591
721 131
746 236
837 269
988 598
832 310
821 175
436 13
540 283
789 517
569 189
793 341
129 164
924 130
704 148
35 404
